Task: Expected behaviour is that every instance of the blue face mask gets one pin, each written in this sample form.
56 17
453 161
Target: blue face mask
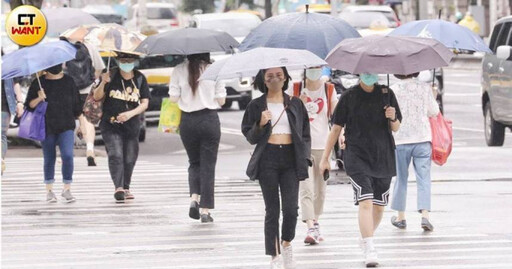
126 67
369 79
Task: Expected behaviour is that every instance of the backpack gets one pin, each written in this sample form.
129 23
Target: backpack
80 68
329 91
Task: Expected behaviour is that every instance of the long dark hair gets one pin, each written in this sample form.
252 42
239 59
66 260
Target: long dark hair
259 80
195 68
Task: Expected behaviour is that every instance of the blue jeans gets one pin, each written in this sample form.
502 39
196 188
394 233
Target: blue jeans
65 141
5 126
420 154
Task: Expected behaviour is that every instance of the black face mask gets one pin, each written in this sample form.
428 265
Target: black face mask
55 70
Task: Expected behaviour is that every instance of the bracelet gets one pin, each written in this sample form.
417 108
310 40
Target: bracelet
20 102
394 120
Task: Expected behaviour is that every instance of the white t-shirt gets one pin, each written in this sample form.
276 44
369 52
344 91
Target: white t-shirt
317 110
417 103
206 93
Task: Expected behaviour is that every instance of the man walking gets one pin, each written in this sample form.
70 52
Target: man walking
368 113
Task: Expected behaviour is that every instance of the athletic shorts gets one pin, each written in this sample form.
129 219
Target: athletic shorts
367 187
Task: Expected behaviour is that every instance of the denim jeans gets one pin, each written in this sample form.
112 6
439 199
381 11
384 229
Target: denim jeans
420 153
278 174
200 134
122 154
66 142
5 126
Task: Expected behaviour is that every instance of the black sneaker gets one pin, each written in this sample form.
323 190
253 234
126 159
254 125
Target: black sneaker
399 224
205 218
193 212
91 161
426 225
119 195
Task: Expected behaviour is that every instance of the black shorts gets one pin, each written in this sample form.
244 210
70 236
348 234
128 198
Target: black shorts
367 187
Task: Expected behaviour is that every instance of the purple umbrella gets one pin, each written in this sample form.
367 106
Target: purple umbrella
388 55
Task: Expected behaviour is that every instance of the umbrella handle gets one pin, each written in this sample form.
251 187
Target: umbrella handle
108 62
39 82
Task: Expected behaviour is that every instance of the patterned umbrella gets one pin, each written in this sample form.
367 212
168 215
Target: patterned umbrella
106 37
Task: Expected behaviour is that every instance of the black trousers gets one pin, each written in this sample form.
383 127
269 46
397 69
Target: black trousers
200 134
122 154
277 172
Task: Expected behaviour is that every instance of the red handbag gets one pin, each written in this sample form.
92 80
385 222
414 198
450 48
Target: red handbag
442 138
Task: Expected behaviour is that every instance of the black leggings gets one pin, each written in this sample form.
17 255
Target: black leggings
277 172
200 134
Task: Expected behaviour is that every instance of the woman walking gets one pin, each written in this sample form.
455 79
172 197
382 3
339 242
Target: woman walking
320 100
61 94
199 129
126 95
279 127
413 142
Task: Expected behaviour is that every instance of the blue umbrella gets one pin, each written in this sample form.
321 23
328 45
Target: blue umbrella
452 35
318 33
30 60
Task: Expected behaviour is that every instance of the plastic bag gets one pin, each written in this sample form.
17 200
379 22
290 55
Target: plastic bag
442 138
170 117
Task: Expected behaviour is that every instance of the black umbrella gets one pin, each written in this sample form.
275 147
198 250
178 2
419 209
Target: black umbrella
187 41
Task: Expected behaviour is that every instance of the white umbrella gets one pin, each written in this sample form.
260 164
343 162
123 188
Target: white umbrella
248 63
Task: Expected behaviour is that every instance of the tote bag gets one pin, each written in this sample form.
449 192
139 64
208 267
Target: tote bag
442 138
33 123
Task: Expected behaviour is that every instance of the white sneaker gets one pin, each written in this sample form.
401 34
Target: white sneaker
371 259
288 261
276 263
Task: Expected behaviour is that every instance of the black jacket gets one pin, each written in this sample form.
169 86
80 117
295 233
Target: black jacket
299 123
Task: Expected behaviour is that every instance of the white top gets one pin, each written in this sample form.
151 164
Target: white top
283 125
417 103
206 93
317 111
97 63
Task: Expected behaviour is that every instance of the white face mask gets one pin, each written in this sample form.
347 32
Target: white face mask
314 73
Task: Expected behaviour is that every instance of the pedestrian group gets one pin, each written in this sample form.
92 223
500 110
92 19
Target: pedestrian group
294 127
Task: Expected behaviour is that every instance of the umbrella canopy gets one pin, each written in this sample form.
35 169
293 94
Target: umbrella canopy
388 55
452 35
61 19
318 33
106 37
30 60
187 41
247 64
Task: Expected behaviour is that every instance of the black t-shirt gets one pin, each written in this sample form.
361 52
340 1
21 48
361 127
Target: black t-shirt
369 142
119 99
63 103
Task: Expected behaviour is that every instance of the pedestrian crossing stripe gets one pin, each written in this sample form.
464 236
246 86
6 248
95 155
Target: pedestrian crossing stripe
154 230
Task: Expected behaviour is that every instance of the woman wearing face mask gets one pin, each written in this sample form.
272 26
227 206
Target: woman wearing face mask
63 99
199 129
367 112
279 127
126 95
320 100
